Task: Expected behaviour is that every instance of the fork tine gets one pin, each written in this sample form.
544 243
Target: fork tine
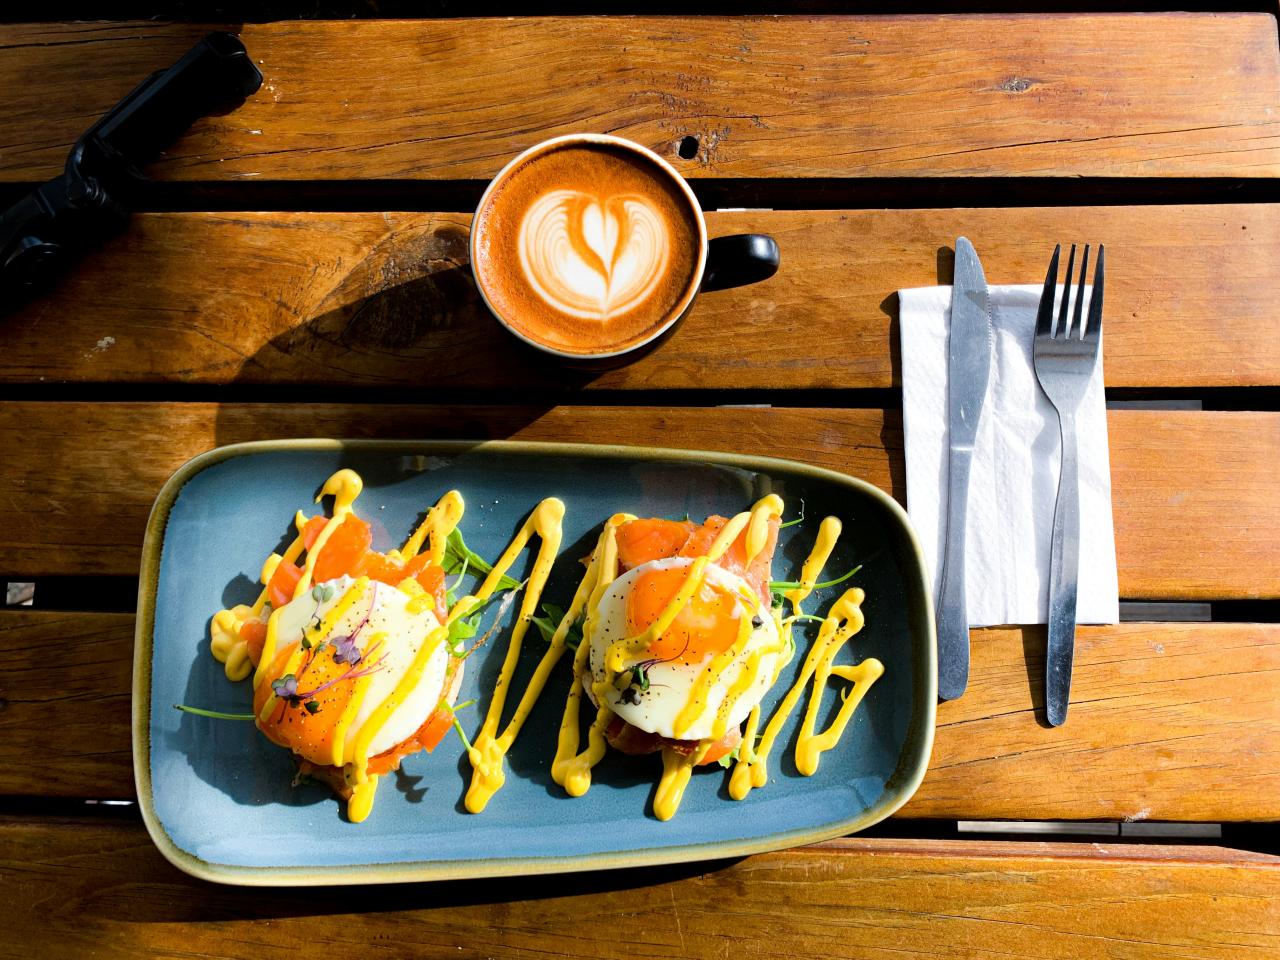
1094 330
1064 329
1077 322
1044 315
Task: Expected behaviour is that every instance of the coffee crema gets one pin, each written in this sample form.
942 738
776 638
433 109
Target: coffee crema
587 247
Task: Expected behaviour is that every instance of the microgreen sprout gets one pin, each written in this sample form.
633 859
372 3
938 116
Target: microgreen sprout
799 519
805 616
456 725
778 585
451 590
640 675
215 714
286 687
346 651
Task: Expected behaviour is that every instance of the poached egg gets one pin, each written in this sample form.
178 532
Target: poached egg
677 660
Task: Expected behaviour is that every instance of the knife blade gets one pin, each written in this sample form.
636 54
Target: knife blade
968 372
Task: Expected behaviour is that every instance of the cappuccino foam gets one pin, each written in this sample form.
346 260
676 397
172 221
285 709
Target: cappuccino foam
587 248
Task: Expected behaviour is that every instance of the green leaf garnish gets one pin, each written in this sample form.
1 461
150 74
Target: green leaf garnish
640 677
216 714
799 519
776 585
465 627
549 623
458 556
456 725
727 760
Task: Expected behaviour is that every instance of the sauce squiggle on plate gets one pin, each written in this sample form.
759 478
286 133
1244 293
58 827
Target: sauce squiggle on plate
679 641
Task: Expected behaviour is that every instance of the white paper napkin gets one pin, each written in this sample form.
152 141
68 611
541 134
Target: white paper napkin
1014 480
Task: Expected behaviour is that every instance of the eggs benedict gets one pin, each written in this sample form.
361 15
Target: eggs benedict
353 661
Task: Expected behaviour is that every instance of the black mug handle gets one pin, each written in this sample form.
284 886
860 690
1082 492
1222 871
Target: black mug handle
739 259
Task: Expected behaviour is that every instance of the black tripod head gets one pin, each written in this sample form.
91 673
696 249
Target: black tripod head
46 230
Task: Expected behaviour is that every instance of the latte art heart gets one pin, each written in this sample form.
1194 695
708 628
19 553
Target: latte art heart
592 257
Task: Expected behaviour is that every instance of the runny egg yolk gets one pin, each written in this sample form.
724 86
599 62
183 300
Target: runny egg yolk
706 626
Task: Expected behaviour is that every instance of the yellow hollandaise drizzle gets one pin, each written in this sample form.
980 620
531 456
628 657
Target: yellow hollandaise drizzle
358 693
571 769
489 748
676 771
752 762
707 679
440 521
363 783
747 676
844 619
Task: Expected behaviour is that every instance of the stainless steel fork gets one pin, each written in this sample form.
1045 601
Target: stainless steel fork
1065 354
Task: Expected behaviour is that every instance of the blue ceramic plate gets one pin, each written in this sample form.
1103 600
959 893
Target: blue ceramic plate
216 795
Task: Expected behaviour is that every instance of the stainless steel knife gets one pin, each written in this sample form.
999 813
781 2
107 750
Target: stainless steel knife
968 371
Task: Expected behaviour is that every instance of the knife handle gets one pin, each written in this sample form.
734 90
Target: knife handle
1064 574
953 607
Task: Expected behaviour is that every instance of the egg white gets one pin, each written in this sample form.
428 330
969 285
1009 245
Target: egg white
387 610
670 684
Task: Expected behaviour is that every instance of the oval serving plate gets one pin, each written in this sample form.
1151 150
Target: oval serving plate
217 796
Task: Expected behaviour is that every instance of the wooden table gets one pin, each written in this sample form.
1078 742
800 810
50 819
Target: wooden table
303 272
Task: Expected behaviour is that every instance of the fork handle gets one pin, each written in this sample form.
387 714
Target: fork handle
1064 572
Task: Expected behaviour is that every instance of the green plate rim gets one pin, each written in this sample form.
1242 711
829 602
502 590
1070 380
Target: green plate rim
909 773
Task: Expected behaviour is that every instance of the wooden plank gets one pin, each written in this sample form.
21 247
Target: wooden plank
386 301
1168 722
80 887
1014 94
1193 492
65 707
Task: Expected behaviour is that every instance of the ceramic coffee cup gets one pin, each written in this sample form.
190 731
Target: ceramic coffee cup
592 249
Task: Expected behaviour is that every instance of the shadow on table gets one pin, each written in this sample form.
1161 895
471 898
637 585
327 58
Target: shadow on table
213 902
404 322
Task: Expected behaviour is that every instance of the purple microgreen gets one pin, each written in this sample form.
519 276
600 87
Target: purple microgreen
215 714
312 707
346 651
351 674
286 688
